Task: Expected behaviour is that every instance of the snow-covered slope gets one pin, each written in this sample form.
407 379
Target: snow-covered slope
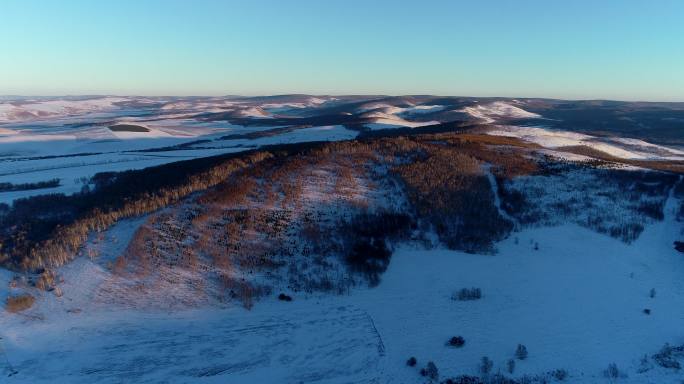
310 102
71 139
485 113
618 147
576 303
387 116
41 109
256 112
496 111
574 297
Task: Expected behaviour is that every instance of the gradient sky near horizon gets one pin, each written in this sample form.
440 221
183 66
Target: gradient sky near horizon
580 49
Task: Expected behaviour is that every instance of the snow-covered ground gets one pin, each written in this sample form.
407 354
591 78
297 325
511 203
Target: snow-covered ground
492 112
623 148
385 120
406 111
576 303
71 140
34 109
310 102
386 116
389 116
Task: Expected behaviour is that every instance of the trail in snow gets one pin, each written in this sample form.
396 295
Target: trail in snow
497 200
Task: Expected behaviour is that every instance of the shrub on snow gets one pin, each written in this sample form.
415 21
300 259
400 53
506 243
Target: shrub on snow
521 352
19 303
430 371
486 365
465 294
456 341
284 297
666 356
559 374
510 365
612 371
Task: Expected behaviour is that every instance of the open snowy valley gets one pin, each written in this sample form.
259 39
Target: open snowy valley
340 239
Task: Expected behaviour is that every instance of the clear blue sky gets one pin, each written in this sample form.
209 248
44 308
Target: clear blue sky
617 49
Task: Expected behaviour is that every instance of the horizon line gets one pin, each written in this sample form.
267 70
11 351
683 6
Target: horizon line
9 96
